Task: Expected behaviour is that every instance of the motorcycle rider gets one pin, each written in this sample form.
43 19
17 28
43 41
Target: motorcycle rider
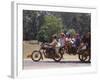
52 46
77 40
54 41
86 42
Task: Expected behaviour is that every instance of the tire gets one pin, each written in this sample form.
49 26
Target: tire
57 57
84 56
74 51
36 56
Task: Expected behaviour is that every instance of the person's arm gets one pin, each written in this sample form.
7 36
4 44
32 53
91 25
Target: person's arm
52 43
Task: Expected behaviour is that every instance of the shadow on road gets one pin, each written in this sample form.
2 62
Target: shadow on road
64 62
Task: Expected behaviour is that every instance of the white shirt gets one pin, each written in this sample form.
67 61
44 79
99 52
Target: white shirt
62 42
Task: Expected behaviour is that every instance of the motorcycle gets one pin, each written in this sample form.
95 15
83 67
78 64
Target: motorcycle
46 51
69 49
84 54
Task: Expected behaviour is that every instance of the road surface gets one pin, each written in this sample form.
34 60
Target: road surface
67 61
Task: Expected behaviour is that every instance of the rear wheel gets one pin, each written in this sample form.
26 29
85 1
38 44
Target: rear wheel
84 56
58 55
36 56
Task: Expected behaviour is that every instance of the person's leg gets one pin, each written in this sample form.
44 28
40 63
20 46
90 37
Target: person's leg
53 52
48 52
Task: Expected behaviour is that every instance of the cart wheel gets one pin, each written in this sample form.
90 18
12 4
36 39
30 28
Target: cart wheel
84 56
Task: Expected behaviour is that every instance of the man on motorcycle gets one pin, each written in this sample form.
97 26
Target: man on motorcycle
84 49
52 45
86 40
77 40
85 43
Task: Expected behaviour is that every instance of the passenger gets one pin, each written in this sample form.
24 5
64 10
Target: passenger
68 37
68 42
77 40
62 40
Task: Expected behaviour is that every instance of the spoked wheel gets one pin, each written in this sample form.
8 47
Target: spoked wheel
57 57
36 56
84 56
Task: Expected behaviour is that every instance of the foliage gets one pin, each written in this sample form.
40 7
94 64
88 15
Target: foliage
72 32
40 25
52 25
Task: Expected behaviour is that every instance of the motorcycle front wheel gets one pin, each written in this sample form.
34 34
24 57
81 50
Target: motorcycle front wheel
36 56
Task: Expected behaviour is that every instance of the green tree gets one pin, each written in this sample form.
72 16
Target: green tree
52 25
72 32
